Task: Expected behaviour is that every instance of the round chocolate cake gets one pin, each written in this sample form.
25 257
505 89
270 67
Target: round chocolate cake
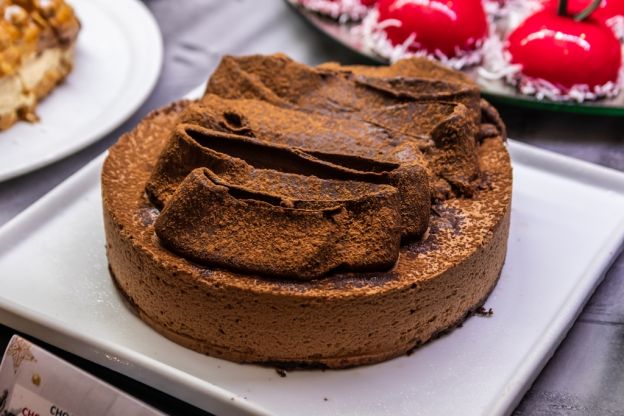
330 216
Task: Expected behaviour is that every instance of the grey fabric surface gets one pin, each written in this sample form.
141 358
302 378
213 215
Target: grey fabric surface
586 374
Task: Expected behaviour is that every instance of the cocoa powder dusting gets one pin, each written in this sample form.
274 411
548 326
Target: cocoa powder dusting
297 172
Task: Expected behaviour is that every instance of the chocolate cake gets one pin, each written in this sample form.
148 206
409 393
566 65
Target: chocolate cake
311 216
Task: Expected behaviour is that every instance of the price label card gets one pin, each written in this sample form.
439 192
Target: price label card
33 382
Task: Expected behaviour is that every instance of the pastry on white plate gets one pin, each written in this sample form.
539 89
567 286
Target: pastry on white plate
37 40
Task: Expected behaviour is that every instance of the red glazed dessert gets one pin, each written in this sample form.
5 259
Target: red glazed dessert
562 57
609 12
565 52
435 26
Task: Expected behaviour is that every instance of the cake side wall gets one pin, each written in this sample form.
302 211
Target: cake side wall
334 331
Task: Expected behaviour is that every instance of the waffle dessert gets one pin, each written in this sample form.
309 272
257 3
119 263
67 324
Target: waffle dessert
37 39
326 216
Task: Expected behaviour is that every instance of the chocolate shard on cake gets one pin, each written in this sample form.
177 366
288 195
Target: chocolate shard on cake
226 213
432 104
327 216
190 148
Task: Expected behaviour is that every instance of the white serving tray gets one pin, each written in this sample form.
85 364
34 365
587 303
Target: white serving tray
567 226
119 54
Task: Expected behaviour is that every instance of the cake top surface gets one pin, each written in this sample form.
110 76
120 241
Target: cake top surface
296 172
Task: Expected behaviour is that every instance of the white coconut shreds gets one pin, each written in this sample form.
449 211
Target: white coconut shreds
493 7
581 92
511 12
616 23
497 65
371 31
341 10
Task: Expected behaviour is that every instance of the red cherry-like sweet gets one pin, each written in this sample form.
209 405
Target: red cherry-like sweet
605 12
565 52
446 26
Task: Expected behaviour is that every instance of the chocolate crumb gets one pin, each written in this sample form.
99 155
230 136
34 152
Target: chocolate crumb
281 372
484 312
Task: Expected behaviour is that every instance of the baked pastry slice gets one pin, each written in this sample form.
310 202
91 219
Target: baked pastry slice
37 39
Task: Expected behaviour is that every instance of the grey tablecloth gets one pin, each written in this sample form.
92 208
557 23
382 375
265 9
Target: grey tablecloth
586 374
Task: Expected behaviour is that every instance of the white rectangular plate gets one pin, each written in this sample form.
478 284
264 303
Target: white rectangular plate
567 226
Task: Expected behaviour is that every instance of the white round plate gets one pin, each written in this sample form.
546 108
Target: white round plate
118 59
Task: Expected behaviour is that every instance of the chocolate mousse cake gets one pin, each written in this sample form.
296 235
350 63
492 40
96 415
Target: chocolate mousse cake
325 216
37 39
